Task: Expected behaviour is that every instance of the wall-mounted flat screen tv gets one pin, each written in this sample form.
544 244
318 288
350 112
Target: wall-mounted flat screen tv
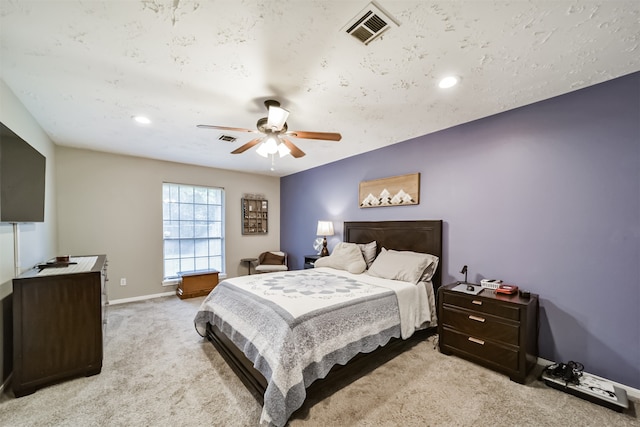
22 179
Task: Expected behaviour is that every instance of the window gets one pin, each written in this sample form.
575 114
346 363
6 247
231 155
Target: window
193 228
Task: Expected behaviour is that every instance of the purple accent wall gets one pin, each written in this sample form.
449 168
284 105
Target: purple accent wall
546 196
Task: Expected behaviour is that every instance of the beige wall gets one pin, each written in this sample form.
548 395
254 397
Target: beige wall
112 204
37 241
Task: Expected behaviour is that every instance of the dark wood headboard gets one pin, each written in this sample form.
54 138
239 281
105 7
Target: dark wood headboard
417 236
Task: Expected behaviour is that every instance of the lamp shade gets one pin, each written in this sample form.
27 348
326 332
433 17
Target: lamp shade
277 117
271 144
325 228
283 150
262 150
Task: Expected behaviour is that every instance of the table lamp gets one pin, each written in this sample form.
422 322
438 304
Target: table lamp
325 228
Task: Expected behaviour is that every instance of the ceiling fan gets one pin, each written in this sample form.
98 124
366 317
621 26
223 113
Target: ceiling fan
276 134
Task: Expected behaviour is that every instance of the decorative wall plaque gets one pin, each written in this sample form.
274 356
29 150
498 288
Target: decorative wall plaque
393 191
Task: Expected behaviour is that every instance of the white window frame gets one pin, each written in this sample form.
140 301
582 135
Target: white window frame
192 229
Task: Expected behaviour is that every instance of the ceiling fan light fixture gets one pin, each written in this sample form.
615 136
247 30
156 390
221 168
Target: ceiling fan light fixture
276 137
270 145
283 150
262 150
277 117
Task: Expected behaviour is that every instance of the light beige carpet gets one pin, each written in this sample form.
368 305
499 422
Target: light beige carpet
158 371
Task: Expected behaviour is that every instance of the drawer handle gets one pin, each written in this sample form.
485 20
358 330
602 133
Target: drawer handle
476 340
476 318
476 302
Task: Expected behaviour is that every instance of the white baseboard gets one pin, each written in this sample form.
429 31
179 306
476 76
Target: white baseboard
140 298
633 393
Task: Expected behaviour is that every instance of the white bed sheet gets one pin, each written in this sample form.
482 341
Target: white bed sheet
416 302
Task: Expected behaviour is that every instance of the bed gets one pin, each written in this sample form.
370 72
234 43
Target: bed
279 357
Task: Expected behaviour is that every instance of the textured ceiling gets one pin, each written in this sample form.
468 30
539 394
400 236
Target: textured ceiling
84 68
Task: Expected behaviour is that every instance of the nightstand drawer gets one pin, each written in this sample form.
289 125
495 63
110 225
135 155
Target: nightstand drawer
488 351
481 325
484 305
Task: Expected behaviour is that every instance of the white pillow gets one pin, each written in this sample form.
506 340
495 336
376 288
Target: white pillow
400 265
428 272
368 251
345 256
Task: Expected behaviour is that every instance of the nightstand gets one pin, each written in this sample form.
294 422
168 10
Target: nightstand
309 260
497 331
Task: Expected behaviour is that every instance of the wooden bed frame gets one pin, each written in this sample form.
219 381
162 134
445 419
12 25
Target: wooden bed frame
417 236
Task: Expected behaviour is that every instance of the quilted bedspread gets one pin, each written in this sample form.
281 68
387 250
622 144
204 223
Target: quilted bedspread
295 326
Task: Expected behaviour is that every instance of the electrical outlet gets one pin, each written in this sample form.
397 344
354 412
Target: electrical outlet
123 281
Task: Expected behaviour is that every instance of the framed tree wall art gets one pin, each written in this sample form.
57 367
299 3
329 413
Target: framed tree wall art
393 191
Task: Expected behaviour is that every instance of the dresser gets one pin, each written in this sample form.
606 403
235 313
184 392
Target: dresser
497 331
58 323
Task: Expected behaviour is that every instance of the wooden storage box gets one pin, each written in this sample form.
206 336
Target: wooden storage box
196 283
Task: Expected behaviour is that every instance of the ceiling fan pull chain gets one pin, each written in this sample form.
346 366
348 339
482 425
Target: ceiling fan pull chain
273 162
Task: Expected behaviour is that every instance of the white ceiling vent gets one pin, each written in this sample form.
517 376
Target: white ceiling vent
370 23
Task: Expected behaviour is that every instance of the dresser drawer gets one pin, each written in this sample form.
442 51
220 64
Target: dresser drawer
481 325
490 352
483 305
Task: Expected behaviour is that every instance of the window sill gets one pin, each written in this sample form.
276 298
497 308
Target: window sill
170 282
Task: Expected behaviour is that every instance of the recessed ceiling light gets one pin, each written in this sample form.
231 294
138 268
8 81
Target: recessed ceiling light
142 120
448 82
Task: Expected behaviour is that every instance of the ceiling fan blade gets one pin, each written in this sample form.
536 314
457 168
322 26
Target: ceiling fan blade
246 146
325 136
295 151
226 128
